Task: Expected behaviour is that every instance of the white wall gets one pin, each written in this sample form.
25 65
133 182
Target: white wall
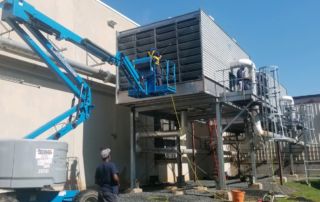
86 18
26 106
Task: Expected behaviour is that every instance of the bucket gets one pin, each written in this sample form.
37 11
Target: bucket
237 195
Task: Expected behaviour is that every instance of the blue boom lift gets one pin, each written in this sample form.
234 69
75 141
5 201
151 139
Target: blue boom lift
30 25
142 84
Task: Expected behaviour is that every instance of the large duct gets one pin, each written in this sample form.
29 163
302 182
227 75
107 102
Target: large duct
24 51
288 108
244 62
258 130
250 71
287 99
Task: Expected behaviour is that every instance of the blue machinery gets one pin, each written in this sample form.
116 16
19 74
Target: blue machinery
142 84
30 25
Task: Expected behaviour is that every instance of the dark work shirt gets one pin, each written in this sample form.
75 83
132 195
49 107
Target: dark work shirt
240 73
104 177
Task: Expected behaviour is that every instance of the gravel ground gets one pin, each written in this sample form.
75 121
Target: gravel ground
190 194
268 186
162 197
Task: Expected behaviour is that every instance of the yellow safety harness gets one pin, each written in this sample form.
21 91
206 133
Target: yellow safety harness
155 58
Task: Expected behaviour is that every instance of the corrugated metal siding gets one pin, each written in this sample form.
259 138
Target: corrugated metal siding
193 41
313 138
311 111
307 104
315 110
218 50
177 39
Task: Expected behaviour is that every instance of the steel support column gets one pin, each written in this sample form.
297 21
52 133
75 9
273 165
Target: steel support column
183 129
133 148
250 133
193 154
279 161
291 160
238 155
221 178
253 163
306 153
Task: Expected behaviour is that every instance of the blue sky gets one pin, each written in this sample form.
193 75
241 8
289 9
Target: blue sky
285 33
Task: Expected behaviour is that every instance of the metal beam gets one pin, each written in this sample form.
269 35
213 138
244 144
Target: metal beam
253 162
280 162
183 129
221 179
291 160
236 117
132 148
193 154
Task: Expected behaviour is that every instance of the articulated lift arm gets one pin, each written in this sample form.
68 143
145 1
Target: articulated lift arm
28 22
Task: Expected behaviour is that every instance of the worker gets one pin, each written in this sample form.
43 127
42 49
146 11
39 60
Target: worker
156 58
107 177
240 77
232 81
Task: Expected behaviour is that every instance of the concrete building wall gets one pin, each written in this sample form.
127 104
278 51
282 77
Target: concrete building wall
31 95
88 19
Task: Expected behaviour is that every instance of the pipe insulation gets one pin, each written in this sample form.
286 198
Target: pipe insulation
183 151
258 130
18 48
153 134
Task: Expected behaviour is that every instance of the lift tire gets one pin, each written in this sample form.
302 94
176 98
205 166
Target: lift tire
8 198
89 195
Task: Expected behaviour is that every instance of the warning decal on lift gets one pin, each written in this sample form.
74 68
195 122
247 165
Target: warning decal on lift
44 159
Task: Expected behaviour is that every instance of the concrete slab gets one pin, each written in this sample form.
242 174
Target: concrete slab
135 191
172 188
294 177
223 195
178 192
257 186
277 179
201 188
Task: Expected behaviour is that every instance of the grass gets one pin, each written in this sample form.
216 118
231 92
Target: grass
303 192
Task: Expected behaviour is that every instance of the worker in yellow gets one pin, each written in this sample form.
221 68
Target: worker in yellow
156 58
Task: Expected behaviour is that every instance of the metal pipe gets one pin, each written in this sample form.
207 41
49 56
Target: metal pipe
14 47
153 134
259 131
183 151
